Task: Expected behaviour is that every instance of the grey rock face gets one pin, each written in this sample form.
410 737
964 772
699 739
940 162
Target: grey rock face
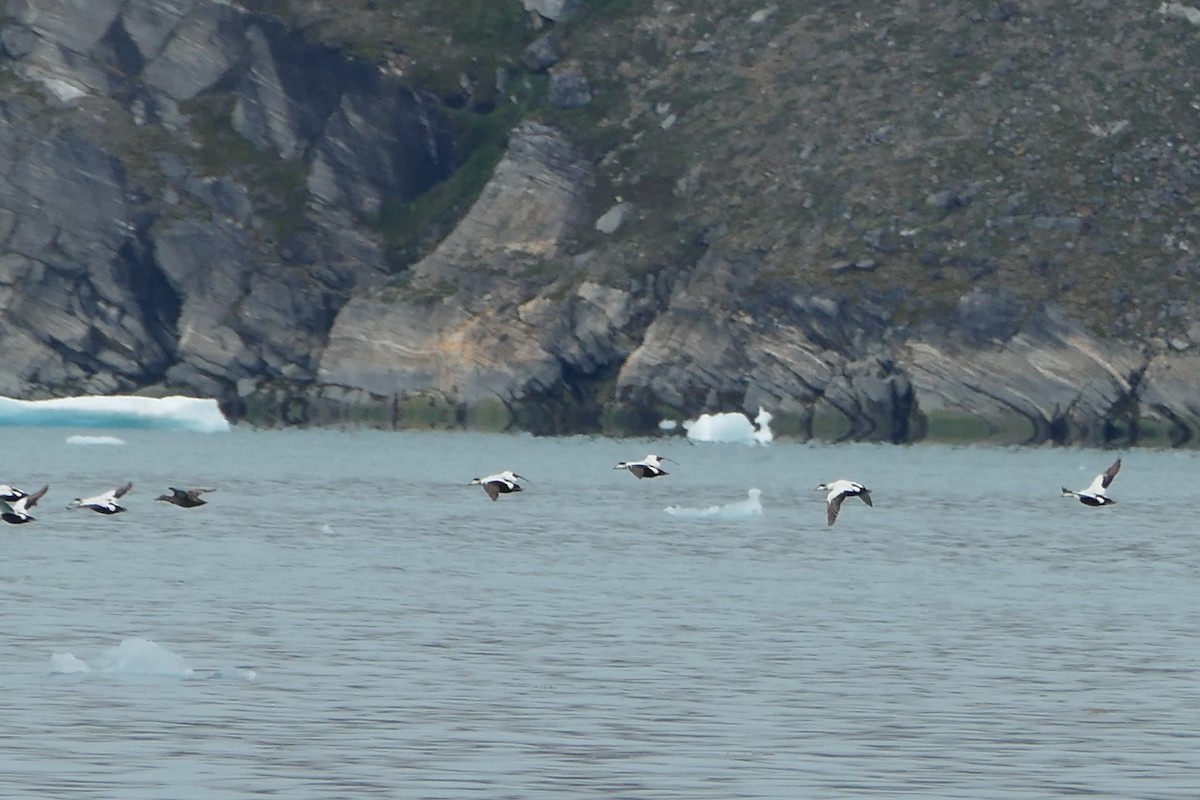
556 10
74 291
264 112
569 88
378 145
1052 376
202 47
1167 394
610 221
57 37
123 269
149 24
127 262
534 201
1181 11
988 317
543 52
459 332
803 356
204 265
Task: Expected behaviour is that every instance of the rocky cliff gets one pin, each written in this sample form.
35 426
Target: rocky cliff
966 221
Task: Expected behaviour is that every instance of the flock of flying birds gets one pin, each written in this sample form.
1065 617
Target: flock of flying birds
836 491
15 504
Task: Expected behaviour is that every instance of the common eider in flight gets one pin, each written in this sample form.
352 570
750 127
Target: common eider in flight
838 491
500 483
105 503
184 498
16 512
11 494
1094 494
648 467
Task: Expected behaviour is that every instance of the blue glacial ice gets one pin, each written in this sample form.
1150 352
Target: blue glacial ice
160 413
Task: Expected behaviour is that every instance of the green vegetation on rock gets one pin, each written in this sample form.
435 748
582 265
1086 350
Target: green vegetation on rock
434 44
277 185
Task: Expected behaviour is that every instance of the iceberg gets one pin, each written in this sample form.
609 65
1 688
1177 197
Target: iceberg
160 413
138 656
134 656
731 427
67 664
742 509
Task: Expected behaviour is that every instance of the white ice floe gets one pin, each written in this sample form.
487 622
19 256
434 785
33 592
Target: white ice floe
134 656
94 440
137 656
742 509
165 413
67 664
731 428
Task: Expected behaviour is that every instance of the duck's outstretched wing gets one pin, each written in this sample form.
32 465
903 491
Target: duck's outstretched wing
1111 473
31 500
1104 479
832 507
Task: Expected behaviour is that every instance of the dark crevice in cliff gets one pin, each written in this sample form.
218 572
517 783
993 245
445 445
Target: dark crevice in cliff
1041 429
324 85
125 53
380 140
1057 428
1179 434
1122 424
77 354
574 405
904 411
316 73
157 302
234 407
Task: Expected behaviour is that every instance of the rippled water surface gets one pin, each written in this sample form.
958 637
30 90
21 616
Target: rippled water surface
346 618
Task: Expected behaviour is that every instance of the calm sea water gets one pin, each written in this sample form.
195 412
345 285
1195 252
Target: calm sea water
346 618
